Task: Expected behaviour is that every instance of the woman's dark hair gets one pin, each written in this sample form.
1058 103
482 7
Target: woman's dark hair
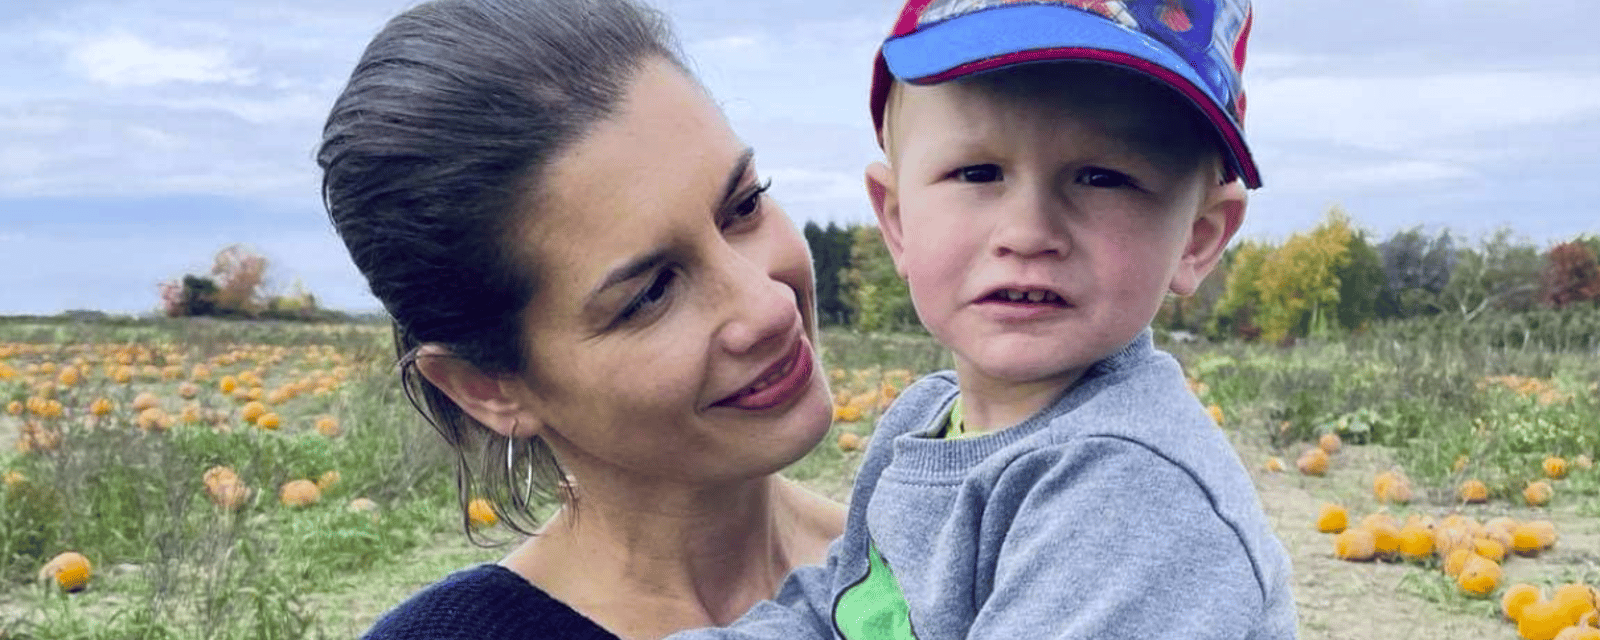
440 139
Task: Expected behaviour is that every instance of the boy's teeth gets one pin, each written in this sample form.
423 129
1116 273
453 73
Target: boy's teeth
1035 295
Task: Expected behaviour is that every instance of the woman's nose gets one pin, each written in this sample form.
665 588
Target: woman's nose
760 308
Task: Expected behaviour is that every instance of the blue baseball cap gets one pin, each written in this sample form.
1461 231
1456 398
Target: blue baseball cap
1196 47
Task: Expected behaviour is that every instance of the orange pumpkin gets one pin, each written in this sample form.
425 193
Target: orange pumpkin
1314 462
1355 545
1456 560
328 426
1540 621
1555 467
299 493
480 514
70 570
1479 576
849 441
1391 486
1517 597
1474 492
1538 493
1332 519
1273 465
1330 442
1416 543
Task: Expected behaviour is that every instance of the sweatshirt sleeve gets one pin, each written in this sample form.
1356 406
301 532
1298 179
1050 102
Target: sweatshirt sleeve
1104 538
799 611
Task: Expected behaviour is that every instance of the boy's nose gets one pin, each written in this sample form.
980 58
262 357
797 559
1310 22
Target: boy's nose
1029 225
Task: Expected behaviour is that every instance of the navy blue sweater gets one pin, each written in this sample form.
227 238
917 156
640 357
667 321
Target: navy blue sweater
486 602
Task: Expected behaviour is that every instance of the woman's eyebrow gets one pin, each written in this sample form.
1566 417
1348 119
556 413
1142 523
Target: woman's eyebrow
630 270
736 175
643 264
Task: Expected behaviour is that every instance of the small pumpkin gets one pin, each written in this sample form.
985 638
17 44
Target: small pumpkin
252 411
849 441
1332 519
1391 487
1474 492
269 421
1479 576
1574 602
1416 542
328 426
1489 548
328 480
1517 597
1314 462
71 571
480 514
1581 632
1216 413
1540 621
1555 467
1538 493
1456 560
299 493
1355 545
1273 465
145 400
1330 442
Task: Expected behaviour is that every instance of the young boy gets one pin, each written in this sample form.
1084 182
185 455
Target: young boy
1054 170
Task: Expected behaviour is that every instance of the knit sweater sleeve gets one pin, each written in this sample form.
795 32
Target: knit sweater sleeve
1106 538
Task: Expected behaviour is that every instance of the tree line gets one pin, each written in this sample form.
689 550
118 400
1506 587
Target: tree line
1331 279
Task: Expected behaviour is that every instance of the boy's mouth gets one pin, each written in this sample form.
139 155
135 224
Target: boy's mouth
1025 296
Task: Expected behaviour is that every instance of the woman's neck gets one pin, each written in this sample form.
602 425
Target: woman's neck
646 565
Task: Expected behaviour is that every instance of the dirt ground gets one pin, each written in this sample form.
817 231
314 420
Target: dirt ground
1340 600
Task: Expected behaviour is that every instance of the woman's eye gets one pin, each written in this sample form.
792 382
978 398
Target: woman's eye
978 173
650 297
747 208
1104 178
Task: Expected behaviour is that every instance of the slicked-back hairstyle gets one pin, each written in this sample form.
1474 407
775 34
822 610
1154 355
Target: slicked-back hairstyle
433 158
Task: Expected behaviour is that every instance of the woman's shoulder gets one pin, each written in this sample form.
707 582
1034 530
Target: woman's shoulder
485 601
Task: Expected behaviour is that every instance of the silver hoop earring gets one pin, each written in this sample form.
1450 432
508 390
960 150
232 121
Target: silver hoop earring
511 465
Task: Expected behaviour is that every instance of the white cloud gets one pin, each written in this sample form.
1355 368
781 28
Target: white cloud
125 60
1400 112
802 185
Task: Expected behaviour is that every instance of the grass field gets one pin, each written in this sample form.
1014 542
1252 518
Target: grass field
109 431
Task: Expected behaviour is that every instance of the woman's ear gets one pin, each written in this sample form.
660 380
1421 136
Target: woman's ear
500 402
1218 219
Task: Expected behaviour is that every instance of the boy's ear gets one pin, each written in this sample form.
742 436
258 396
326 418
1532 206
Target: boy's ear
501 403
1219 218
881 190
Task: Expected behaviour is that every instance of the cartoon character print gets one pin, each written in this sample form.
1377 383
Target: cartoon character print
1116 10
1210 33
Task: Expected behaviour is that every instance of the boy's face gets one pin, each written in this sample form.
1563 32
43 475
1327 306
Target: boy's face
1038 236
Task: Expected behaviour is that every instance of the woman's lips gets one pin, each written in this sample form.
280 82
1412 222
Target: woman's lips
782 381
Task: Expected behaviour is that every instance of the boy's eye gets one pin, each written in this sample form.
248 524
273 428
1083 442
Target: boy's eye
978 173
1104 178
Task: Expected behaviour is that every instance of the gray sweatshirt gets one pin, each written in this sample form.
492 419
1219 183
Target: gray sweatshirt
1120 511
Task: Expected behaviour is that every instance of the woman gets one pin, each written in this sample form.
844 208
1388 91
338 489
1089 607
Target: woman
602 304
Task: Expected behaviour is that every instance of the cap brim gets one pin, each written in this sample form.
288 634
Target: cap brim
1012 34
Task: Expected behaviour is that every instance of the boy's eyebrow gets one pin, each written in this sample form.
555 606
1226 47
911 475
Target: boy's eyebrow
643 264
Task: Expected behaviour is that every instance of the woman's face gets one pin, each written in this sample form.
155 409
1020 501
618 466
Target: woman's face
670 341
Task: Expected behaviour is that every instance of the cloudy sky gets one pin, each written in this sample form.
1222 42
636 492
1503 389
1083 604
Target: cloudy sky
137 137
